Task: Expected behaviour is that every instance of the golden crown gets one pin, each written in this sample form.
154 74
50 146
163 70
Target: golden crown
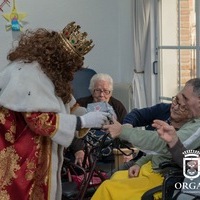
74 41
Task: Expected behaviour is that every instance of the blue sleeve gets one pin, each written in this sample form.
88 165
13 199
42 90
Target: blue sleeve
145 116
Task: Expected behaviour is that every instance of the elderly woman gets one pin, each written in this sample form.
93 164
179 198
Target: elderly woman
101 87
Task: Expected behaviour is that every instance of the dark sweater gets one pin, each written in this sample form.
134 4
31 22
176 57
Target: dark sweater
145 116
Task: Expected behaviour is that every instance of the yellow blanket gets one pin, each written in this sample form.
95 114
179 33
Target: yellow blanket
121 187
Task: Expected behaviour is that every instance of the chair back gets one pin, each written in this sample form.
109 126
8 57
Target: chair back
81 82
124 93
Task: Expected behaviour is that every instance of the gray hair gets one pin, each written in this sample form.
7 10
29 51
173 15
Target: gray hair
101 77
195 83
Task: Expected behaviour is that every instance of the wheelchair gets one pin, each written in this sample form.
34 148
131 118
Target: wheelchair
172 174
91 175
71 190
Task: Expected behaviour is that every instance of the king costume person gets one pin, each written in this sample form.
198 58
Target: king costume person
36 111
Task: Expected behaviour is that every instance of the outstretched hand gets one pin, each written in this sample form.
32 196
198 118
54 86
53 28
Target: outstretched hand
114 129
166 132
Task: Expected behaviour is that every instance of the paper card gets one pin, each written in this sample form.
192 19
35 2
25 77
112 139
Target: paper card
101 106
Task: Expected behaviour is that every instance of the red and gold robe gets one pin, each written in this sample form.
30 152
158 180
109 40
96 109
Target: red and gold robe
35 126
26 154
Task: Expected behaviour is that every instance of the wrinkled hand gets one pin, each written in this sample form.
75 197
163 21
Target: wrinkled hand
166 132
94 119
114 129
134 171
79 156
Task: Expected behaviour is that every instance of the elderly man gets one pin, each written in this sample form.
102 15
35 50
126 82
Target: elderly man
153 145
144 118
187 134
176 148
191 94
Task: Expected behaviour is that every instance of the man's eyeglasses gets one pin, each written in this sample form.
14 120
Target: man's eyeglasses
99 91
175 102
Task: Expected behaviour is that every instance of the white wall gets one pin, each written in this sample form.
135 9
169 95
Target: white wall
108 23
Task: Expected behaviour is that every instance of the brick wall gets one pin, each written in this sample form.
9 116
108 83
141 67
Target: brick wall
187 38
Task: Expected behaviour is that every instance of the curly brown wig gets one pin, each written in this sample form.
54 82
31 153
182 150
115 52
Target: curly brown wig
46 48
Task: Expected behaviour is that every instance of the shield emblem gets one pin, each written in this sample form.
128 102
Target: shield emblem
191 167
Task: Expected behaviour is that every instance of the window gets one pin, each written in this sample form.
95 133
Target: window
178 45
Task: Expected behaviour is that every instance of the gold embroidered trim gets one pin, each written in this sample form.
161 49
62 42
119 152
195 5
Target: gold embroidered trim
3 113
42 123
4 195
10 134
9 160
40 174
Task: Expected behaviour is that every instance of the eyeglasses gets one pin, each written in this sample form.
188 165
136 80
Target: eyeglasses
99 91
175 102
